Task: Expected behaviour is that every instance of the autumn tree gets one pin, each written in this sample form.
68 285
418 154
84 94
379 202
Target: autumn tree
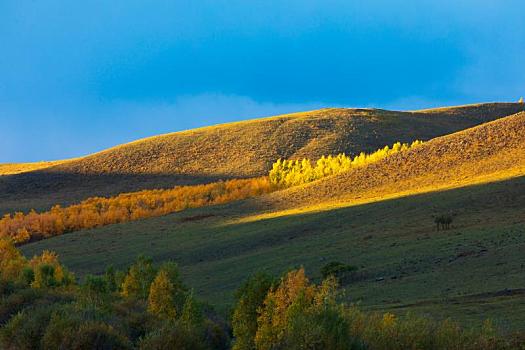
301 315
287 173
49 272
95 212
138 279
160 299
12 262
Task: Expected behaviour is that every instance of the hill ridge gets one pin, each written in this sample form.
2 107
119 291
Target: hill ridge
235 150
501 158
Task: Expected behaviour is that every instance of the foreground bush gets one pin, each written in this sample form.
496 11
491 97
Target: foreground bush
297 314
158 312
144 307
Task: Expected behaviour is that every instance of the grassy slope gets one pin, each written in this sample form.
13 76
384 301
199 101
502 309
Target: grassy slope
378 217
233 150
19 168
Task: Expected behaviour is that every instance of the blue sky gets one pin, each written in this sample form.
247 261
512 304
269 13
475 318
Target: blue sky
79 76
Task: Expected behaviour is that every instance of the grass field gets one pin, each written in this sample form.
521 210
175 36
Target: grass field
395 240
379 218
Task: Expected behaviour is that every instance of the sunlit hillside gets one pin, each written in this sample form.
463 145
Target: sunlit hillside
18 168
490 152
243 149
380 218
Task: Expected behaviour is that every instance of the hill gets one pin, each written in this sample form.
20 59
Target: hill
236 150
19 168
379 218
486 153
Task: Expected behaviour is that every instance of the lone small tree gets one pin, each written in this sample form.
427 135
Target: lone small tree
443 221
160 299
520 100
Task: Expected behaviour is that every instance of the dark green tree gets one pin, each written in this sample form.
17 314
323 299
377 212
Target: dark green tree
250 297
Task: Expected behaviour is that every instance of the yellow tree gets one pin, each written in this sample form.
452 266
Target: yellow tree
160 300
301 315
139 278
11 261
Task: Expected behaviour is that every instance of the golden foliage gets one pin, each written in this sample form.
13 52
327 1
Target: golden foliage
138 279
287 173
160 299
11 261
293 298
98 211
45 269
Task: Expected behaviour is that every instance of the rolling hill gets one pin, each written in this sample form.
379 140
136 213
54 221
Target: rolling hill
378 217
236 150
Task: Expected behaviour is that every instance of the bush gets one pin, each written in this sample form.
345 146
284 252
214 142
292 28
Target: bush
16 302
61 331
25 329
301 315
338 270
98 335
175 336
133 318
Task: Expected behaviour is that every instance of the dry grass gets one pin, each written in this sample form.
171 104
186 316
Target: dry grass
491 152
18 168
236 150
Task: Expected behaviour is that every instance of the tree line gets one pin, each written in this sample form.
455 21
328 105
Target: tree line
287 173
148 306
99 211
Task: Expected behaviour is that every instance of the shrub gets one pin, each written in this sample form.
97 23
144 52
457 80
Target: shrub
16 302
94 291
133 318
338 270
61 330
171 337
98 335
11 260
24 330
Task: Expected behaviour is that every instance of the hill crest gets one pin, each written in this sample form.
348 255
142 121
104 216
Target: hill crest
236 150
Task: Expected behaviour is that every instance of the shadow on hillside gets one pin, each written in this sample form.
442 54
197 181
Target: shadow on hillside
43 189
473 206
220 256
